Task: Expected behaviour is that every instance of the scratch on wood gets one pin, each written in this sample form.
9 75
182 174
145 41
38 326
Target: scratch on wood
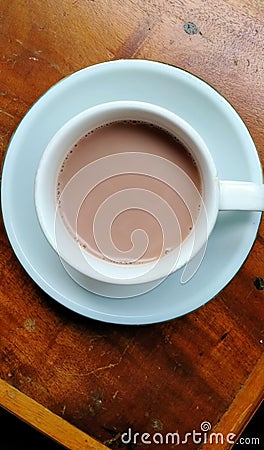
6 114
115 395
109 366
109 53
99 369
249 294
20 42
40 57
113 439
55 66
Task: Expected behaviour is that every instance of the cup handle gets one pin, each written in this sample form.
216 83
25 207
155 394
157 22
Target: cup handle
241 196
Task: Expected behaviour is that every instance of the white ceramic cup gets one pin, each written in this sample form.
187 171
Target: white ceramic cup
216 195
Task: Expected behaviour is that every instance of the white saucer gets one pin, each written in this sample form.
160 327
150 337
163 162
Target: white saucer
206 110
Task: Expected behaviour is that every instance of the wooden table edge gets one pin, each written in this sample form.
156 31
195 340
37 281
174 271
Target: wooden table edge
233 421
45 421
243 407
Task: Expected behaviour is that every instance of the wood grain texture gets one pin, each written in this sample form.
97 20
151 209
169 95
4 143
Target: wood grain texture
105 378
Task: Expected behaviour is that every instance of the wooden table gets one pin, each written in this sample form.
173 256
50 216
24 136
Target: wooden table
83 382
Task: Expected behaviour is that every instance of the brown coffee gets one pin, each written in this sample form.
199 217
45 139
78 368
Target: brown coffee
141 192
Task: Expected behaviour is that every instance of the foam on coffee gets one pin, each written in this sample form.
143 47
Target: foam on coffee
114 240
